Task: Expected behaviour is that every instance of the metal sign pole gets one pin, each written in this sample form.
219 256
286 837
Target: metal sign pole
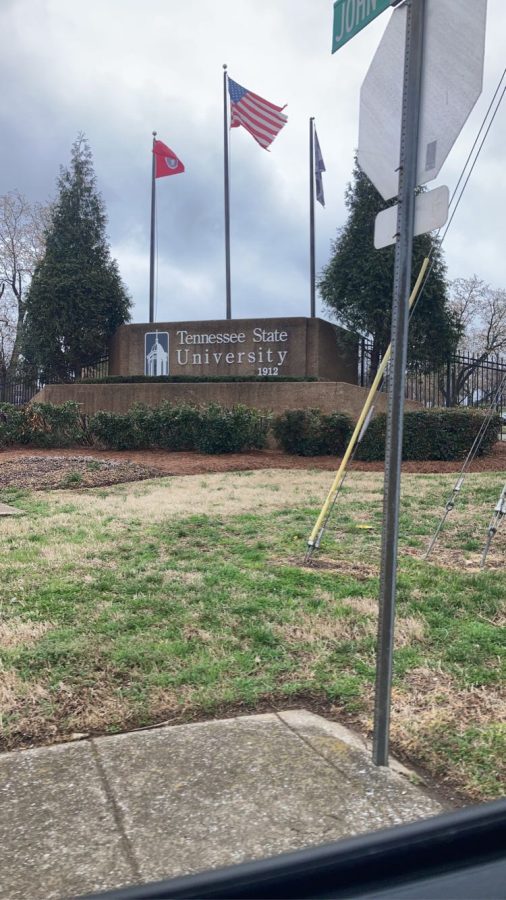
400 313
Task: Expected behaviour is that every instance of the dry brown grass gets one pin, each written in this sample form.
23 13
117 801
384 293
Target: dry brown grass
461 560
321 630
15 692
45 718
431 704
174 575
429 693
10 690
360 571
17 632
224 494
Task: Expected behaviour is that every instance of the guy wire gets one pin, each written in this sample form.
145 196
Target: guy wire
438 244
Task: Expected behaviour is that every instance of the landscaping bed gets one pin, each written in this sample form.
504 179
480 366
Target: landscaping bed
17 464
44 471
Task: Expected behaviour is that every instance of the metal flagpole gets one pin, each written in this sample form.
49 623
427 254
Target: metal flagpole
227 194
413 61
311 218
152 245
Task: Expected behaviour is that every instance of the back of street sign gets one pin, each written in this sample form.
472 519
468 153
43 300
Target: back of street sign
431 211
454 48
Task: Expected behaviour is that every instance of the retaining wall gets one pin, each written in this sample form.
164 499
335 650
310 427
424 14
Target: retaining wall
268 396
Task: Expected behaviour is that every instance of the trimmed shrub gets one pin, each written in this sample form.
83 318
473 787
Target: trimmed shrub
117 431
51 425
223 430
143 427
177 426
309 432
12 424
209 429
437 434
143 423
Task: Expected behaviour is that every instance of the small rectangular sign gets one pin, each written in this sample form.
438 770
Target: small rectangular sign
350 16
431 211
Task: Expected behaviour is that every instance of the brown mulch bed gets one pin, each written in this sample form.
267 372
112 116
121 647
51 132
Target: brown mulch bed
55 471
42 469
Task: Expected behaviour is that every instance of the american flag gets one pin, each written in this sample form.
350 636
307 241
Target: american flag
262 119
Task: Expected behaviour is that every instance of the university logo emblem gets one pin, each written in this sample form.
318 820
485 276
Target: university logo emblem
156 353
171 162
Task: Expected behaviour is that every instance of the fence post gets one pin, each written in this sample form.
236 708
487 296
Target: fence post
448 384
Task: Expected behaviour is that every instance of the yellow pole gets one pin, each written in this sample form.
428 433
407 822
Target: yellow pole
338 480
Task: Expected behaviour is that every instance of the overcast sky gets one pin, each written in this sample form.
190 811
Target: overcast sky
119 69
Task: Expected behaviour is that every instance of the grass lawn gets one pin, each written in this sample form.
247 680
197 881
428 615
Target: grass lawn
187 597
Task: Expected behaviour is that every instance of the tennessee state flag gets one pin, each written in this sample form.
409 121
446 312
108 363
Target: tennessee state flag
166 161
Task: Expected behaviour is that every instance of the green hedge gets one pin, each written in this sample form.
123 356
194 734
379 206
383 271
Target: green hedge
12 424
208 429
51 425
438 434
42 425
309 432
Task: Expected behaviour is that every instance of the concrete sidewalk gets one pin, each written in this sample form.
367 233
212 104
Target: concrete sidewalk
104 813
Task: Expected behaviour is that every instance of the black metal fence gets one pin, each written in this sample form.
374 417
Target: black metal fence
19 390
467 379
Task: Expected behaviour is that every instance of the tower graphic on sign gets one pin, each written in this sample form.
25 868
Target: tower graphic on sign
156 361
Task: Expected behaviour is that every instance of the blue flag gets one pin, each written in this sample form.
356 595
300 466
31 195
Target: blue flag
319 167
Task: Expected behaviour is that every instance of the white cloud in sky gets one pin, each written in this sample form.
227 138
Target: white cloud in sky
117 69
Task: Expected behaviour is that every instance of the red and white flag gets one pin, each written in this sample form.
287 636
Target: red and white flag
166 161
261 118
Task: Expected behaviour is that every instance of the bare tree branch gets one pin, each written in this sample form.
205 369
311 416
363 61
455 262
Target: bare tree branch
22 245
480 313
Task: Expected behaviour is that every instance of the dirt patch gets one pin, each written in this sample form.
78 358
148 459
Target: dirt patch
360 571
454 558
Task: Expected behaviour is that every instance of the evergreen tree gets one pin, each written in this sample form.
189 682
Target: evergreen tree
357 283
76 299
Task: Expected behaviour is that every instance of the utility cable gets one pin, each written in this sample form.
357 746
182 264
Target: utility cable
472 167
499 513
450 503
438 242
478 135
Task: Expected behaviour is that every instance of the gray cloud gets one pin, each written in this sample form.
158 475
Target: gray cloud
117 71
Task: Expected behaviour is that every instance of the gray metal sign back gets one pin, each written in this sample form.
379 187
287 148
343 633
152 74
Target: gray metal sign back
431 211
454 48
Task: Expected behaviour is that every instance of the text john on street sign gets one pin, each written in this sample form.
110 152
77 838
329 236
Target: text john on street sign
350 16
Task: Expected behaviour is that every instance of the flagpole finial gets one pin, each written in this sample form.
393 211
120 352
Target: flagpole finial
154 133
224 65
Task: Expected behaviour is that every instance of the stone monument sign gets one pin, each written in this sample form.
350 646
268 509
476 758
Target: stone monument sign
248 347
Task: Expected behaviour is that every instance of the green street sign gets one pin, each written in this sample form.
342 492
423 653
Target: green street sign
350 16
